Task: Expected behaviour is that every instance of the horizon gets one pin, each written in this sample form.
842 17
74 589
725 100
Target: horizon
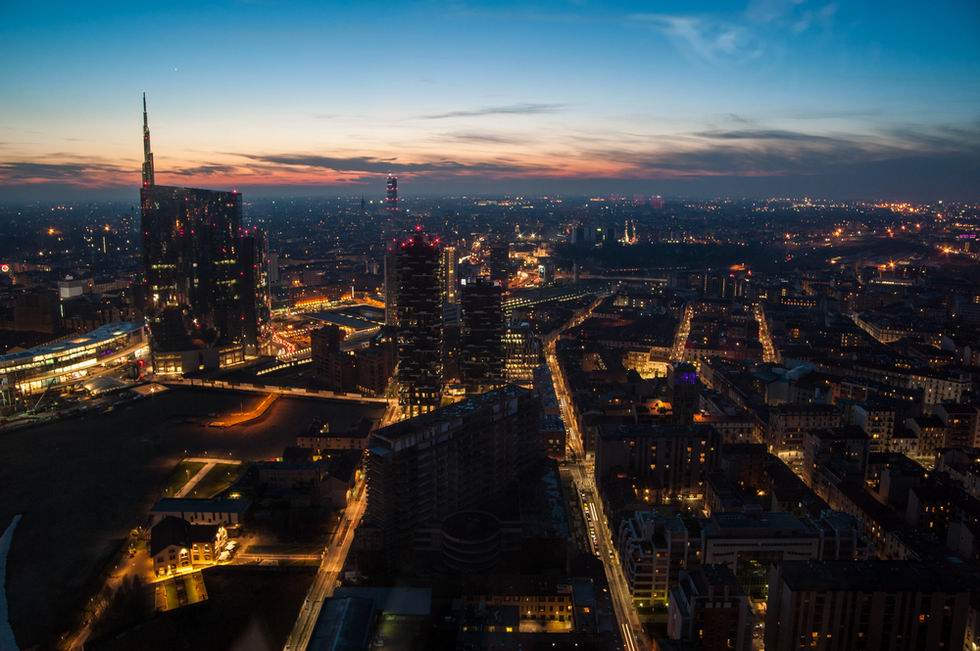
772 98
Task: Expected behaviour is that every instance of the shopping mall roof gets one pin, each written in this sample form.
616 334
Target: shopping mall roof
101 334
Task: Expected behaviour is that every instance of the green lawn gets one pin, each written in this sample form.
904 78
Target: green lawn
181 474
218 479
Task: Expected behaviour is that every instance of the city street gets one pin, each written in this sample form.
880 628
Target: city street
334 557
583 474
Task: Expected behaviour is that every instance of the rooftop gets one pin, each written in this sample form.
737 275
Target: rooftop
870 576
199 505
101 334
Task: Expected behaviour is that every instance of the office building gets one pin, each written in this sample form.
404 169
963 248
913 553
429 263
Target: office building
255 289
192 265
419 317
522 353
498 263
460 457
481 358
879 605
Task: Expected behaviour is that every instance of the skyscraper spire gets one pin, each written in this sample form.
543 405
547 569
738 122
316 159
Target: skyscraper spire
147 154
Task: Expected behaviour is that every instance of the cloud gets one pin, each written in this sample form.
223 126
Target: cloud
483 137
207 169
81 172
707 40
523 108
371 165
776 153
761 134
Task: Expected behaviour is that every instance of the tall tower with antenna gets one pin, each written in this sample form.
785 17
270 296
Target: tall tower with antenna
391 198
148 179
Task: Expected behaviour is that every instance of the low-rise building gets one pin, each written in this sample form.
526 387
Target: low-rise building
226 512
176 545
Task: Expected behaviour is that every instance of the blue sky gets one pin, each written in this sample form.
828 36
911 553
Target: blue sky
766 97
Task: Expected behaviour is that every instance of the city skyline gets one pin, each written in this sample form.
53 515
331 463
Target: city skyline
765 98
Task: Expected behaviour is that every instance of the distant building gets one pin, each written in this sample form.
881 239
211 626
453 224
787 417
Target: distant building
329 361
499 264
391 195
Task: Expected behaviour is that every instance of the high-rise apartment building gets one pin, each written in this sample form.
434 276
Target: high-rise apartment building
391 285
481 356
463 456
449 275
419 323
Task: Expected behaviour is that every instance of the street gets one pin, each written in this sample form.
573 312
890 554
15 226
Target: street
334 557
583 475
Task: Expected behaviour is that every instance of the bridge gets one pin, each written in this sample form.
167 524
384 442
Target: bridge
295 392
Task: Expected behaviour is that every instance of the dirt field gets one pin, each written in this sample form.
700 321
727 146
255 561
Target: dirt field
82 484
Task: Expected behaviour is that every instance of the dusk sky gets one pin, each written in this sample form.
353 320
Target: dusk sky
770 97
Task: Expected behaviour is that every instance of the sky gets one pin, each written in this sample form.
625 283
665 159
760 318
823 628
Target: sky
850 100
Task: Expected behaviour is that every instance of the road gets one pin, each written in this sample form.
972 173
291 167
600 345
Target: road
768 350
634 637
583 474
680 339
334 557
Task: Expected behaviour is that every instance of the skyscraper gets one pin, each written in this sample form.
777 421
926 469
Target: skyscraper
255 292
481 358
449 275
193 273
391 198
391 285
419 322
148 175
499 263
